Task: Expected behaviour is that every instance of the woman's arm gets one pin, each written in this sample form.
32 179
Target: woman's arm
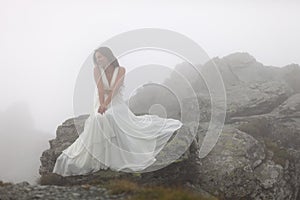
117 85
98 80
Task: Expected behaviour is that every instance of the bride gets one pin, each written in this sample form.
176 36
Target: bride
113 137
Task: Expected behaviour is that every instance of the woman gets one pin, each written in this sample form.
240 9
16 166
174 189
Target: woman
113 137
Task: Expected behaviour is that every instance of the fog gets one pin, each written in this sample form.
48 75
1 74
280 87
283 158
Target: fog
44 44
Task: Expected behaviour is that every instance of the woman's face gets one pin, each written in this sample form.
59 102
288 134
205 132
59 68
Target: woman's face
101 59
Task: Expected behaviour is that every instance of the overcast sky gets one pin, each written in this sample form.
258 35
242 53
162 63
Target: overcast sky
45 43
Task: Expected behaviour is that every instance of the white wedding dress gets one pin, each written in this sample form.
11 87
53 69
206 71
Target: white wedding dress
116 139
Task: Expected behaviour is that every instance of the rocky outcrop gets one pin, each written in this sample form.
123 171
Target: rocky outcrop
255 98
257 155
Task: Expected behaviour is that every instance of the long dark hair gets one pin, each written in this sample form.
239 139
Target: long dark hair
105 51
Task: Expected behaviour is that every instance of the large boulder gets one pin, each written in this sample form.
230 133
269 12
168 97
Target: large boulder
241 166
278 131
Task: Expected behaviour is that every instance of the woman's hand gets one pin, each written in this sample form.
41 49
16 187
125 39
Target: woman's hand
102 108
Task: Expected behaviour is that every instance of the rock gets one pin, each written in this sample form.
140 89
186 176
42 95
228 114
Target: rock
238 167
290 74
289 108
279 132
242 100
254 99
230 165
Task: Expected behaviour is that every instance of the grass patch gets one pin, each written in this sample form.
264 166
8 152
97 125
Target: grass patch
280 154
137 192
51 179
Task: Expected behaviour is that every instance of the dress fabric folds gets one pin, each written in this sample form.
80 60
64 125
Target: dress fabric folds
117 139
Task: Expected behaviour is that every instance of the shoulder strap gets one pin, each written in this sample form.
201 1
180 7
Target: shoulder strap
113 79
103 76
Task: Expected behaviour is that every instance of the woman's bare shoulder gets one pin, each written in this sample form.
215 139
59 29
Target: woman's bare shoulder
123 69
96 69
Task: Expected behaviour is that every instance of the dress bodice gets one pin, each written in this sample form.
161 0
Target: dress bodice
118 95
107 86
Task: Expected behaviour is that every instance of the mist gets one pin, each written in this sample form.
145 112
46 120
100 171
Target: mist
44 45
